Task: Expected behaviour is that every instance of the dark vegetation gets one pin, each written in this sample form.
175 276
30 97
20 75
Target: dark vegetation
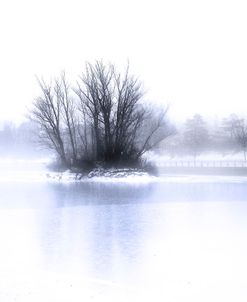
102 120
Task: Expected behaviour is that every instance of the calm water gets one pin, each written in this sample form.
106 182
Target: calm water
163 241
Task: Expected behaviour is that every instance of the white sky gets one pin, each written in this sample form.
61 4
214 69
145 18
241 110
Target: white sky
191 54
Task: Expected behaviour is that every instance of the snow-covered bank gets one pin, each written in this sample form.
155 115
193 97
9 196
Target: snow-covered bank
30 171
131 178
142 178
102 175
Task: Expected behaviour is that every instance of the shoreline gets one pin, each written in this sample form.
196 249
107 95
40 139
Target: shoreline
213 171
178 176
100 174
26 172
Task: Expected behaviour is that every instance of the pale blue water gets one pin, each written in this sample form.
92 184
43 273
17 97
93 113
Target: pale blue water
181 240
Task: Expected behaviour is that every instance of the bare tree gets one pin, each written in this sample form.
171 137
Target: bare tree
124 127
237 127
46 112
95 92
154 130
68 111
195 135
103 119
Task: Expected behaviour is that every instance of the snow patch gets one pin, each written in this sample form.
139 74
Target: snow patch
103 175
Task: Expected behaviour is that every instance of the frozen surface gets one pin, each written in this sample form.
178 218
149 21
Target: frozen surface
170 239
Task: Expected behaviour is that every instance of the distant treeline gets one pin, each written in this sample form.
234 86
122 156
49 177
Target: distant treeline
197 136
19 140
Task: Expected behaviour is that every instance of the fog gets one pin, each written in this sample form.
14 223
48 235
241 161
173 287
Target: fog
123 181
197 139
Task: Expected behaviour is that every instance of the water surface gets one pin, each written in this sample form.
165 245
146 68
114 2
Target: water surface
158 241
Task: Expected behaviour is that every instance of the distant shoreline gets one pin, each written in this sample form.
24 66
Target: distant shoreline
238 171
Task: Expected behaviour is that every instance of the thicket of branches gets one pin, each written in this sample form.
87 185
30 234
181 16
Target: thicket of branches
103 118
